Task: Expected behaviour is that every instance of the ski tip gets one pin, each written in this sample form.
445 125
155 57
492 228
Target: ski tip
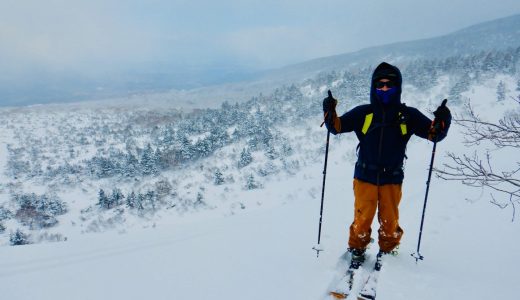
338 295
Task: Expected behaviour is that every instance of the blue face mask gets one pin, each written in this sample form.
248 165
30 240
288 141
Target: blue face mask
387 97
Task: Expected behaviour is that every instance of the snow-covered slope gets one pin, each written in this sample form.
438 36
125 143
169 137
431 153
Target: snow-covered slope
469 248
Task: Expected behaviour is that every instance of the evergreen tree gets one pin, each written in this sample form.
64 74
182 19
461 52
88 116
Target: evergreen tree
103 201
270 152
287 150
200 199
151 199
140 201
218 177
460 86
105 167
116 198
186 149
131 200
245 158
203 147
149 161
251 183
131 166
501 91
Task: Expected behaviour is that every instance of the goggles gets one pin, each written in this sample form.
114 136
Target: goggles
381 84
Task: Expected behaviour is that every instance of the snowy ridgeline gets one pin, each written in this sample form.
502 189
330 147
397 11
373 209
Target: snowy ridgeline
69 170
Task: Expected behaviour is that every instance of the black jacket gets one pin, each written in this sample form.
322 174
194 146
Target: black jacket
382 148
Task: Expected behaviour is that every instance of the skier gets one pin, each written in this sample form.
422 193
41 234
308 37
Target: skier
383 129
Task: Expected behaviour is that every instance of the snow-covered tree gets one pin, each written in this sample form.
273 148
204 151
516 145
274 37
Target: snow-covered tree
186 149
501 91
116 198
19 238
200 200
131 166
218 177
149 161
131 200
245 158
251 183
103 201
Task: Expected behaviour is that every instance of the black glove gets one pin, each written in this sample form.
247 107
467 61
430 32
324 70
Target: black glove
442 114
329 104
442 121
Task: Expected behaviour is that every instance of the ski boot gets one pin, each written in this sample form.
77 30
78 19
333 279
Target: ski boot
379 259
357 258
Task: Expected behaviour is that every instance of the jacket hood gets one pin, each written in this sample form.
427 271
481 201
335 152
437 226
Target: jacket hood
388 71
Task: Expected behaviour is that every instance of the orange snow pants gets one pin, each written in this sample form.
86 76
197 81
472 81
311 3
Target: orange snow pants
368 198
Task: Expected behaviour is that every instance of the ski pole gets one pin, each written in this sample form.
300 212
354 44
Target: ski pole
317 247
418 255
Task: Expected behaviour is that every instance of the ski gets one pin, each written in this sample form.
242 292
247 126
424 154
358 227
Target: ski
344 287
368 291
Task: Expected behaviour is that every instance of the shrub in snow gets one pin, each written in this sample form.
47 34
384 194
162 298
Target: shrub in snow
200 200
38 211
219 177
18 238
5 214
2 228
163 188
51 237
268 169
143 203
110 201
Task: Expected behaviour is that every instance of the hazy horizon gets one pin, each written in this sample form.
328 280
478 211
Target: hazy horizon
67 50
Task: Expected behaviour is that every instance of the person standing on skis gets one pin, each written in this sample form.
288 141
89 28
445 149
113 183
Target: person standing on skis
383 129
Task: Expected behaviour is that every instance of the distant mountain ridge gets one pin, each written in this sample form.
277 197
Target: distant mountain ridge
497 34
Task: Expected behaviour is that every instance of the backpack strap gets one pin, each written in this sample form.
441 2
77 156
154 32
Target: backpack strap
402 123
367 123
370 116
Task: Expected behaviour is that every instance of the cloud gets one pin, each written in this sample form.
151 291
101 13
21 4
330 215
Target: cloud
60 35
274 46
115 36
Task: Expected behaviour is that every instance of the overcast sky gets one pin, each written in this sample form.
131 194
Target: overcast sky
100 35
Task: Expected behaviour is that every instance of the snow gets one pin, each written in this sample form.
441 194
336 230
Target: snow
265 251
469 253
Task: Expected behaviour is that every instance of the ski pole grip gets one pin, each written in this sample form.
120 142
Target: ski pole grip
443 102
